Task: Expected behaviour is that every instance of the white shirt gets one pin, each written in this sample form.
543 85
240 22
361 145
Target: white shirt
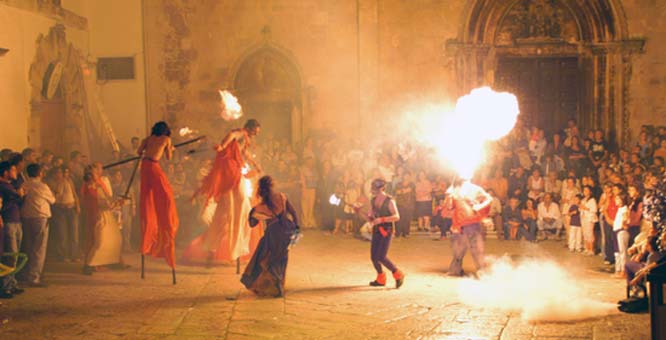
589 215
620 218
553 211
38 199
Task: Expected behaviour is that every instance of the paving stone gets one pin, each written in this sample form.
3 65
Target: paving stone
327 298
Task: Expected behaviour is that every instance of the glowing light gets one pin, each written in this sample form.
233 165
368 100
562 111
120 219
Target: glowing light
230 108
334 200
245 169
208 212
533 288
248 189
460 136
185 131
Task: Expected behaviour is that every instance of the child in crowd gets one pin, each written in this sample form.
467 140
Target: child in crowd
620 226
443 218
352 194
575 225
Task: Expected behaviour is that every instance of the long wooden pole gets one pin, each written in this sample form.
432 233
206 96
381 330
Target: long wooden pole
111 165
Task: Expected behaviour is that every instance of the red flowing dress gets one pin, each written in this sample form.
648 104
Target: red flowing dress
228 236
159 217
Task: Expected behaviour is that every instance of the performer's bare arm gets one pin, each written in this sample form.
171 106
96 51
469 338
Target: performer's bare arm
483 198
233 134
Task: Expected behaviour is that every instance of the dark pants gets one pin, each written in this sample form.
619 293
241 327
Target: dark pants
406 216
610 243
379 249
633 232
35 240
65 229
470 237
528 230
444 224
630 268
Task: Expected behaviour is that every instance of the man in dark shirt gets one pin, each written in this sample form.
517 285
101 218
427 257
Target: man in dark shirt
11 215
512 218
598 149
518 183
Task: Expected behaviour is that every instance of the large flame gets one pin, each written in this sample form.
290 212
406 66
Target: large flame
479 117
230 108
538 289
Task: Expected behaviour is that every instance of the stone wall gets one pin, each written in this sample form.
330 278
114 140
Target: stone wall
358 60
648 81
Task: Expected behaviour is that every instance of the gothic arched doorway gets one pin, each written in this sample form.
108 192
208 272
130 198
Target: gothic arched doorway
268 86
563 58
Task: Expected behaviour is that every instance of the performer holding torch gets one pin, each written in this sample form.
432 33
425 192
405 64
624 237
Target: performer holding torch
159 218
228 235
382 215
470 205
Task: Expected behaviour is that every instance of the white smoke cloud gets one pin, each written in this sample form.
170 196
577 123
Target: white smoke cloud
540 290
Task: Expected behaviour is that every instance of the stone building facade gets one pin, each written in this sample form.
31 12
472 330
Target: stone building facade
345 64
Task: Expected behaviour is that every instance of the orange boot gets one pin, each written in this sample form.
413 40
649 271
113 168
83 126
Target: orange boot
399 277
380 281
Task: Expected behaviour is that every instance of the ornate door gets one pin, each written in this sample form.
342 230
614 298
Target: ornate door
547 88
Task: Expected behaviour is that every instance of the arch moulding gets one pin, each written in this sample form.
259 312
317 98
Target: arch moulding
594 31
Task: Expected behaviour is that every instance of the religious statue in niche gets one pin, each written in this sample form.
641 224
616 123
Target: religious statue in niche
537 20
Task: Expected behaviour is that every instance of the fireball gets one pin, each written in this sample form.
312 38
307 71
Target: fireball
230 108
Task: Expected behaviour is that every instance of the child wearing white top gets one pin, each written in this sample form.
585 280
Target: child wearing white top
620 229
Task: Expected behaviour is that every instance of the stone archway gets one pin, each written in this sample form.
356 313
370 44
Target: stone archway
267 82
594 32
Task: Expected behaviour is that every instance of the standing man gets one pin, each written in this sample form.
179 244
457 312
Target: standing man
36 211
13 233
469 203
382 215
159 218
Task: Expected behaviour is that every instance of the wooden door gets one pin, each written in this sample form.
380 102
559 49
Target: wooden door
52 125
547 89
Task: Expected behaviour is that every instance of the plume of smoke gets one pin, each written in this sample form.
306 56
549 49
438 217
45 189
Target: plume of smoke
540 290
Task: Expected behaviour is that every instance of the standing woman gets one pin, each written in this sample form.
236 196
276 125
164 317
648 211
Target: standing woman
635 212
265 273
104 240
589 217
423 201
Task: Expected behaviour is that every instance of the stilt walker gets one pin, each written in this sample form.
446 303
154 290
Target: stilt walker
159 218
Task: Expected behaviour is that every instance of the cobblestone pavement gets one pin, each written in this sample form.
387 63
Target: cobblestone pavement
327 298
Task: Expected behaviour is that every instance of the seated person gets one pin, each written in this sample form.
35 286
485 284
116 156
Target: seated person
512 219
549 218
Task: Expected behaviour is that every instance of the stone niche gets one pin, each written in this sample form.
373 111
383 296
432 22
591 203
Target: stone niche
58 97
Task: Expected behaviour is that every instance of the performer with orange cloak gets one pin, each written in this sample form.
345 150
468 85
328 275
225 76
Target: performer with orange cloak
159 218
228 236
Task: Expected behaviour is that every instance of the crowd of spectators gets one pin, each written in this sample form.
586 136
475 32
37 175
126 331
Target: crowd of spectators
568 184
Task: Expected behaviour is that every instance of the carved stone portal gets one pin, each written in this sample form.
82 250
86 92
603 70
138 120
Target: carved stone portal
539 20
593 32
